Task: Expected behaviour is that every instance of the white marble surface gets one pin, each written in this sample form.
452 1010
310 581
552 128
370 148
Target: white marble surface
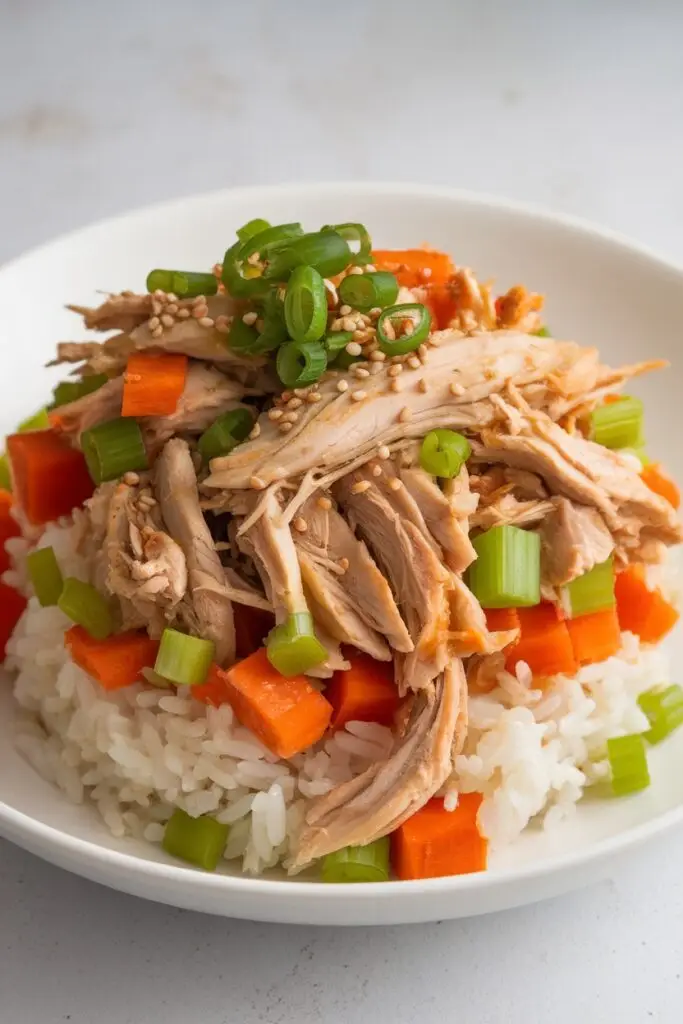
104 107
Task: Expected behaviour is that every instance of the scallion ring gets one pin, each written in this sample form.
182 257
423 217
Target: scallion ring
336 342
444 452
367 291
355 233
325 251
182 659
85 606
300 363
68 391
225 433
186 284
113 448
306 305
396 316
293 648
251 228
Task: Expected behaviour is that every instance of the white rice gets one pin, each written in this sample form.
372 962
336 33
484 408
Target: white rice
137 753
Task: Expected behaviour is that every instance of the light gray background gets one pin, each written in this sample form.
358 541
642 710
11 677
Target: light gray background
105 106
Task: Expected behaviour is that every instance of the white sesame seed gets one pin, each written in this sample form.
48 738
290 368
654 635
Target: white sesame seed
349 323
361 487
160 294
132 479
356 270
171 297
290 417
255 431
153 322
275 414
383 452
395 370
375 312
284 427
183 314
294 403
376 368
172 308
414 363
395 386
300 524
353 348
257 483
167 320
157 332
344 310
358 396
342 385
344 564
156 307
313 397
405 414
422 385
361 372
360 335
325 504
377 356
337 325
395 484
456 389
200 311
377 470
199 300
223 328
250 318
423 351
408 326
206 321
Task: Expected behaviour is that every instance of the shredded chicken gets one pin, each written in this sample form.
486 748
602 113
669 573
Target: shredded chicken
574 539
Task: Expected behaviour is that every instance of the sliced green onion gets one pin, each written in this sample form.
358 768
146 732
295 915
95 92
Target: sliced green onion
113 448
444 452
293 647
542 332
242 337
273 332
270 240
86 607
300 363
628 761
336 342
663 706
39 421
182 659
358 863
5 475
325 251
306 305
366 291
45 575
251 228
184 283
618 424
71 390
507 571
239 277
421 319
225 433
594 591
357 233
200 841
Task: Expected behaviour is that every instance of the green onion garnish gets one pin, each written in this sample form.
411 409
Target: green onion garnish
335 343
244 279
542 332
300 363
628 761
306 305
5 475
366 291
663 706
293 647
86 607
225 433
325 251
200 841
357 233
444 452
594 591
182 659
618 424
251 228
417 314
184 283
358 863
71 390
274 329
39 421
507 571
114 448
45 575
242 337
239 277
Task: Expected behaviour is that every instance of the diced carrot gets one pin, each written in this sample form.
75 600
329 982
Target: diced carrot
115 662
640 610
153 383
658 481
50 477
595 637
435 842
442 303
366 692
213 691
501 620
9 527
12 604
544 643
415 267
252 626
287 715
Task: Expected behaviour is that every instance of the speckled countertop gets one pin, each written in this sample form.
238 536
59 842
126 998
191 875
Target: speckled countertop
105 107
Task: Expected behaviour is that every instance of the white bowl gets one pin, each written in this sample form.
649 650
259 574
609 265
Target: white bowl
601 290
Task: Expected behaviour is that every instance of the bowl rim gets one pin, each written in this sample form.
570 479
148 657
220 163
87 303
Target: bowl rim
15 824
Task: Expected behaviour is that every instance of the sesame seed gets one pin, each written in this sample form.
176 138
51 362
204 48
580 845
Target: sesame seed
395 386
337 324
383 452
183 314
254 259
257 483
199 300
405 414
360 335
414 363
255 431
375 312
377 470
171 297
157 332
377 356
222 328
349 323
353 348
395 370
132 479
422 386
172 308
361 372
156 307
344 310
300 524
275 414
342 385
376 368
285 428
206 321
313 397
153 322
250 318
358 396
408 327
361 487
423 351
199 311
286 395
167 320
300 392
294 403
356 270
290 417
160 293
344 564
395 484
325 504
456 389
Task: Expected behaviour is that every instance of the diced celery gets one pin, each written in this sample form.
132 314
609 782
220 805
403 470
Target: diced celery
663 706
618 424
507 571
594 591
200 841
628 762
